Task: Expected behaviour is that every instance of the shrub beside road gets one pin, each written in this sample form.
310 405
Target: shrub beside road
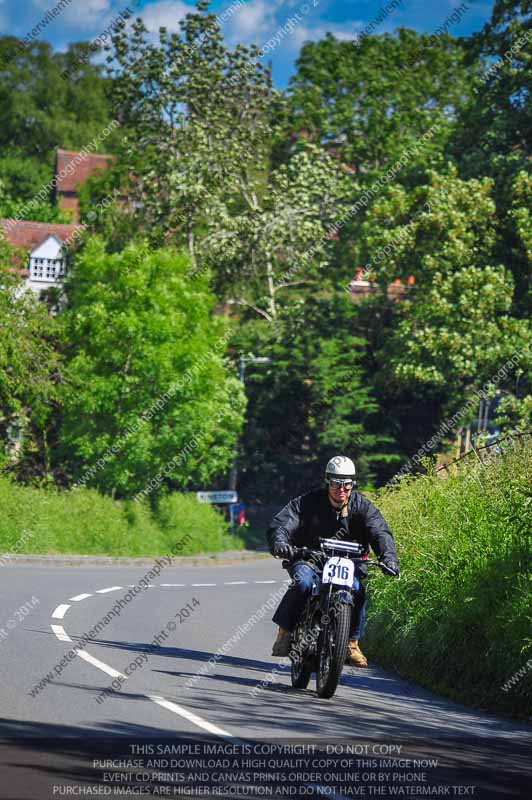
83 521
458 620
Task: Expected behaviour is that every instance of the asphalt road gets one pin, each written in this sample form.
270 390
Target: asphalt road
191 667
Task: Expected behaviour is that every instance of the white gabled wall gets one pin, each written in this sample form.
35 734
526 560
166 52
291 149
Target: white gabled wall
46 264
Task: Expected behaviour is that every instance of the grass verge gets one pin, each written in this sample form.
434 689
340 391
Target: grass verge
83 522
459 619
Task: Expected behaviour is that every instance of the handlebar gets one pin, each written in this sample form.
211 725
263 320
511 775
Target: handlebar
307 553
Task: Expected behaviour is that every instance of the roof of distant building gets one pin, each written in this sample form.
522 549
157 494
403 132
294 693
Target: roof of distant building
29 235
80 169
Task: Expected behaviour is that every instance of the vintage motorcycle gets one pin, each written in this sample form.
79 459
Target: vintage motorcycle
319 642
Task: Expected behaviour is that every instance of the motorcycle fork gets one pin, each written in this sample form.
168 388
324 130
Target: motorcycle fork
301 642
325 604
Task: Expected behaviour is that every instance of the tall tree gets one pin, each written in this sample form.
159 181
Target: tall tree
455 329
29 371
497 122
197 122
311 402
41 211
41 110
494 134
147 393
372 98
282 239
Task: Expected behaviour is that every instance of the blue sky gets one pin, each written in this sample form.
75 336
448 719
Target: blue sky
251 20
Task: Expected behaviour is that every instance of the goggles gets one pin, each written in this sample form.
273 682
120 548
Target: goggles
338 483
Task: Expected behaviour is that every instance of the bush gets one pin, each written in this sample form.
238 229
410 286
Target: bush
201 528
84 522
458 621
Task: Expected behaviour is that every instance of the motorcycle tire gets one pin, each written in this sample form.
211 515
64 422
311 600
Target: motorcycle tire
301 672
332 651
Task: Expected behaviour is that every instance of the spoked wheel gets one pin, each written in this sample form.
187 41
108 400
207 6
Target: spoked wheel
333 650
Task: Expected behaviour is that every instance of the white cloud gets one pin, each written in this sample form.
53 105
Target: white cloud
92 14
164 14
259 20
253 22
344 32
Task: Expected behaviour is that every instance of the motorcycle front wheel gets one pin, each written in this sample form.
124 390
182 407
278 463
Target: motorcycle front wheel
301 672
333 649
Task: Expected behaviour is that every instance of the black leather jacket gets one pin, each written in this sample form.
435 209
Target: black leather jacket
309 517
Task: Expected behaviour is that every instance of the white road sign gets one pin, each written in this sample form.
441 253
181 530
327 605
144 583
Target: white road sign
217 497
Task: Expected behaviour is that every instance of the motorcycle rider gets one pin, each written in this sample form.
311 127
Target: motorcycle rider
337 511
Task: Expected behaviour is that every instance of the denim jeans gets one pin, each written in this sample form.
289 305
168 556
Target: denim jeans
291 606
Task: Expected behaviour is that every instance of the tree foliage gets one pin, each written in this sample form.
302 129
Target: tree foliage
375 97
312 401
276 197
454 329
196 115
29 369
40 109
41 210
281 239
145 374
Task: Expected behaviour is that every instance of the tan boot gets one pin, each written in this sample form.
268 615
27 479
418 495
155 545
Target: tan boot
281 646
355 657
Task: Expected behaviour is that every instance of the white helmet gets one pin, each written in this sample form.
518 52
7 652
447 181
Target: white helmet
340 467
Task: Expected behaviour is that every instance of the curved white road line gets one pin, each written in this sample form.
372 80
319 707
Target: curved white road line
61 633
60 611
79 597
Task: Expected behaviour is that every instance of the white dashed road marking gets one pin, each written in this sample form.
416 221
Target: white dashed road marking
60 633
60 611
97 663
201 723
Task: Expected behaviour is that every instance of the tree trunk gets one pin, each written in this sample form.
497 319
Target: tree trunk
192 249
271 289
46 453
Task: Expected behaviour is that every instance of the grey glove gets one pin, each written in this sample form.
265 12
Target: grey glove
282 550
390 567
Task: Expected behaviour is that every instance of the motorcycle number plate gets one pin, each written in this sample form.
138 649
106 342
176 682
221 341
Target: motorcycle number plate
339 571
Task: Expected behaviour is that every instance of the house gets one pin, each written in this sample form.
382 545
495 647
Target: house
44 246
72 168
363 285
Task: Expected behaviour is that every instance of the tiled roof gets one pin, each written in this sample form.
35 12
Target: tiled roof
29 235
79 167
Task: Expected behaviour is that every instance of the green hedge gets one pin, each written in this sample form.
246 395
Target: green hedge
84 522
459 619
